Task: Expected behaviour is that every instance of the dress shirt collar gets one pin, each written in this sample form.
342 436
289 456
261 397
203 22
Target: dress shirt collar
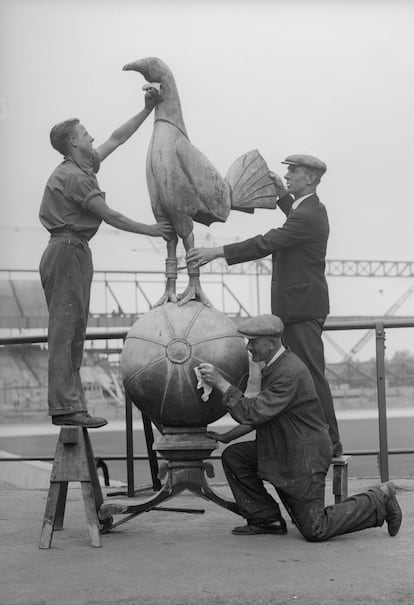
276 355
300 200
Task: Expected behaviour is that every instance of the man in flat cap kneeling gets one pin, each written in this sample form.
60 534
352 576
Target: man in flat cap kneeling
292 449
299 291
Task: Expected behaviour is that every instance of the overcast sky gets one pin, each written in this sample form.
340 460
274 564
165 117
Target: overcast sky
331 78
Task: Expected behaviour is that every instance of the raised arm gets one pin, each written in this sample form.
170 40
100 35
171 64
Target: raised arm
284 200
124 132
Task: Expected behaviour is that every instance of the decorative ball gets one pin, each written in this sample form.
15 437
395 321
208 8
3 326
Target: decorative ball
159 356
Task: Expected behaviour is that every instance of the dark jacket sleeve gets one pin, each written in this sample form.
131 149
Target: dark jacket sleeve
285 203
295 232
270 402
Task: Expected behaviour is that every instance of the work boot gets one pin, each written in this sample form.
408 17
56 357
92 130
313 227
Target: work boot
277 528
82 419
392 508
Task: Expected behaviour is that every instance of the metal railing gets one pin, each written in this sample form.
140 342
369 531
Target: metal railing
118 298
379 327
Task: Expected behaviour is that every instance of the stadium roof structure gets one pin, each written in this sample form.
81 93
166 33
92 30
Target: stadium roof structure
22 305
129 278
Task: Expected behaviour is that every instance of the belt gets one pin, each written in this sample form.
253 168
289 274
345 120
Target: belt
69 236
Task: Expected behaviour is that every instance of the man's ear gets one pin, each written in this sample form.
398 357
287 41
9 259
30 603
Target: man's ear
312 178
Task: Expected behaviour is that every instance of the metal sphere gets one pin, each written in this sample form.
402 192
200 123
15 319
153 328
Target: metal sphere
159 356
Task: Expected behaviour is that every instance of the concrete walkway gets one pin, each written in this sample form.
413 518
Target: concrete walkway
173 558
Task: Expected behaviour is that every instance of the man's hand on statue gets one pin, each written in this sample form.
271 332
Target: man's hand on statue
162 229
223 438
200 256
152 97
213 377
280 187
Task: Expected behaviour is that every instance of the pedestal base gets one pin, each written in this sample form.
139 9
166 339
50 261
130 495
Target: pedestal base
185 444
180 473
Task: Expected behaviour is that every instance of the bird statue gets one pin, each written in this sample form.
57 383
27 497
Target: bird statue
183 184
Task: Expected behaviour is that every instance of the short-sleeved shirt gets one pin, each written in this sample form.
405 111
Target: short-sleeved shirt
65 201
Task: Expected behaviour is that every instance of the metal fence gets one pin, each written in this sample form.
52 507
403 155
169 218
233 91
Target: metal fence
379 327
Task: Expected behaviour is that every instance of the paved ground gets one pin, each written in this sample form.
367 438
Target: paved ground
175 558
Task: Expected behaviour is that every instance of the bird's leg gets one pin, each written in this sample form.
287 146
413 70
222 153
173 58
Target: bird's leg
170 273
193 290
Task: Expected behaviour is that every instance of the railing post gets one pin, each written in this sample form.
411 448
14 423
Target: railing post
129 446
382 404
152 455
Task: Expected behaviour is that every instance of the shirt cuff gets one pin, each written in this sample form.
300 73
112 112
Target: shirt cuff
227 395
91 195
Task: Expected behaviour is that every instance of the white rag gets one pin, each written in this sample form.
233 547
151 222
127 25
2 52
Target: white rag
202 385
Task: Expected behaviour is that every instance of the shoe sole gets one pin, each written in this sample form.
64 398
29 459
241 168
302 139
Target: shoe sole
83 426
258 532
393 531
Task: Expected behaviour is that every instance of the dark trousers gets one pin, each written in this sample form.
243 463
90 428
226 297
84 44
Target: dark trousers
305 340
66 273
314 521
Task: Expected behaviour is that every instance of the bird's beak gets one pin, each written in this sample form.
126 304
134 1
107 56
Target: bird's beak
134 66
141 66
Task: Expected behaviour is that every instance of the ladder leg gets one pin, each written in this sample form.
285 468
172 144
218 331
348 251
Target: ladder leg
91 513
92 471
49 516
61 505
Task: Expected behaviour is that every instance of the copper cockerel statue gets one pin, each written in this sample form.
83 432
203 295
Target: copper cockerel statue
183 184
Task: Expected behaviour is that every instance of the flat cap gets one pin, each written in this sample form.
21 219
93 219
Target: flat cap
261 326
309 161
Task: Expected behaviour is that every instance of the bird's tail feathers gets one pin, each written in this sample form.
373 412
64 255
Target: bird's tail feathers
250 184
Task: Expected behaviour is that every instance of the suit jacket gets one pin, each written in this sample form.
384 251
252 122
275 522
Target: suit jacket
292 436
298 248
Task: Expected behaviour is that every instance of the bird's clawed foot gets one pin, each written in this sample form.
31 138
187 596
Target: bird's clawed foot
193 292
169 294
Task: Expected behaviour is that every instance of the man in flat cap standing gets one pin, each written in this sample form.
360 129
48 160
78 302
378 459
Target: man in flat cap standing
299 291
292 449
72 210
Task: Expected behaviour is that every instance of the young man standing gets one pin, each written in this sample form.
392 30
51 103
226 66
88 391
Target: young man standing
72 210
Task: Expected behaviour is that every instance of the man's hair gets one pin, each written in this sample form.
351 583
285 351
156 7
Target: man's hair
60 133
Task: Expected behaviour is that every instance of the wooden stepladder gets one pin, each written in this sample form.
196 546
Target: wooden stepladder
74 461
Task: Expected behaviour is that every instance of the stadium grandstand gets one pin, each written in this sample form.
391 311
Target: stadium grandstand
119 297
23 367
